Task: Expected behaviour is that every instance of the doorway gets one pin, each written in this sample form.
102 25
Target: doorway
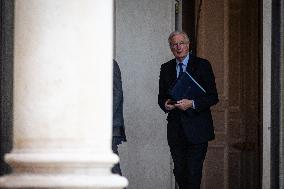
227 33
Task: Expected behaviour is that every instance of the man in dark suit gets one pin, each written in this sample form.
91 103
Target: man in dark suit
118 133
190 124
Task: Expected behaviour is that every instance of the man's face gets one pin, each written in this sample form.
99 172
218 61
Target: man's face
179 47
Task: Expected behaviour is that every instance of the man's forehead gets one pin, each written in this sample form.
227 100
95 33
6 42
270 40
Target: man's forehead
178 37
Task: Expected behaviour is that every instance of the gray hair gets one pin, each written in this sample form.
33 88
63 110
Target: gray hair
178 33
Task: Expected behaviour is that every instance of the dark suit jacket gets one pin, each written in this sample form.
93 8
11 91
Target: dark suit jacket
197 123
118 121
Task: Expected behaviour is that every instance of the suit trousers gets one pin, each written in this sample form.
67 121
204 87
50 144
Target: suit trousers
188 158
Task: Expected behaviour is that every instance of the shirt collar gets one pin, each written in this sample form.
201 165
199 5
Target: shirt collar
185 61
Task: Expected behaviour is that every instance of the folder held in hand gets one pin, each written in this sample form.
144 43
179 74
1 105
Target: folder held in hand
185 87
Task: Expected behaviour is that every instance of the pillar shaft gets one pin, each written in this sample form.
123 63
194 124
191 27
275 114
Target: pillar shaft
62 96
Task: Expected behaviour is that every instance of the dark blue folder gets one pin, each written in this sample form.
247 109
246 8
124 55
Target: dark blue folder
185 87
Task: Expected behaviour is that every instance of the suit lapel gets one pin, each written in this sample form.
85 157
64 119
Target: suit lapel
172 71
191 66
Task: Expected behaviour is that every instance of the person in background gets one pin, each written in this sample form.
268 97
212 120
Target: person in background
190 124
118 134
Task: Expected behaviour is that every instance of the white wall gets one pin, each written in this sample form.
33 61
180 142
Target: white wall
142 29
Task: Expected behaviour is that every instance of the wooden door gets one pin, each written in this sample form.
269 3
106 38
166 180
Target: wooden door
228 35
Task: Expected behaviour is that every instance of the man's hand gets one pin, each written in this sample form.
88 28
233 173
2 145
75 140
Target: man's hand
183 104
169 105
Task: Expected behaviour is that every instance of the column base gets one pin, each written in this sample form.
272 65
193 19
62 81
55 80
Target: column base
62 171
28 181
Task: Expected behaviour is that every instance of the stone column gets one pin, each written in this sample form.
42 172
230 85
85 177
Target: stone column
62 96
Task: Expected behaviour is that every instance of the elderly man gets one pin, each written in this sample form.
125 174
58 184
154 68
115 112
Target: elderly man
190 124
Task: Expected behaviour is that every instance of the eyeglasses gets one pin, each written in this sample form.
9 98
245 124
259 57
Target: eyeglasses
175 45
